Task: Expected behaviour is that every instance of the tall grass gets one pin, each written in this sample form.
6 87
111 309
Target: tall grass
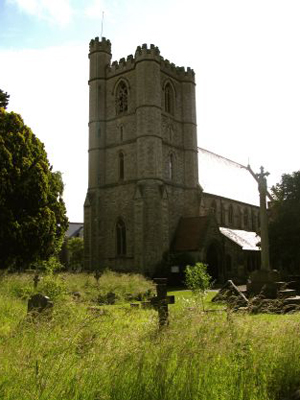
121 354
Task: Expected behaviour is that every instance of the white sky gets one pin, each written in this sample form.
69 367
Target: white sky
245 55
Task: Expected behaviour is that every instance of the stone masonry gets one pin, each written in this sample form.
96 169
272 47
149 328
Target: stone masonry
143 168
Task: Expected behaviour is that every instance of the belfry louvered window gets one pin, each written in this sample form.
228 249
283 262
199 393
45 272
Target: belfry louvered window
169 99
121 98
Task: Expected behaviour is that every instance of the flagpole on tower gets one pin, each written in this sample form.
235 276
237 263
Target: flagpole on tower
102 21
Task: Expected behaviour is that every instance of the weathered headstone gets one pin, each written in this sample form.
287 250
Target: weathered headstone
36 279
161 301
107 299
38 303
134 305
76 295
97 276
111 298
229 292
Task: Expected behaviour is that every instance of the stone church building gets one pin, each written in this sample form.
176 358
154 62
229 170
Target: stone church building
150 190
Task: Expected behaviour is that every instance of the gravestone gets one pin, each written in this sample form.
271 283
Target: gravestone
38 303
231 293
161 301
107 299
36 280
97 275
134 305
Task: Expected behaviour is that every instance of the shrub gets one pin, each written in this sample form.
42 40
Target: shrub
197 279
52 286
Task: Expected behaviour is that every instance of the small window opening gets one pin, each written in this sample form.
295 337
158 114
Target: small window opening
121 237
230 214
169 99
171 166
121 166
213 207
223 214
246 218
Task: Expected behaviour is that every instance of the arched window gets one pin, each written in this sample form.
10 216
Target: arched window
253 221
223 213
239 219
121 166
169 99
120 237
171 166
230 214
246 218
121 98
213 207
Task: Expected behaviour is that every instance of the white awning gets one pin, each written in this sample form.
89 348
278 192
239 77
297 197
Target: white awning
245 239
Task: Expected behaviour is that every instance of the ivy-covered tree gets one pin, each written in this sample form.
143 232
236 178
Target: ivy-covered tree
284 224
33 217
4 97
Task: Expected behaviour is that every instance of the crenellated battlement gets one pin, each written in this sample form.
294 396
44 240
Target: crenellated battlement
103 45
150 53
121 66
145 52
177 72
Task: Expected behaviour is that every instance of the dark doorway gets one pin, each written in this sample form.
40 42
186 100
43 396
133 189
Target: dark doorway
213 261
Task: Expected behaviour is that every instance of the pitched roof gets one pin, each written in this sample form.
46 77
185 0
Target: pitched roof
189 233
74 229
246 240
223 177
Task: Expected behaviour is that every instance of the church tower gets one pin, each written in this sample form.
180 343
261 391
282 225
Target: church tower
143 169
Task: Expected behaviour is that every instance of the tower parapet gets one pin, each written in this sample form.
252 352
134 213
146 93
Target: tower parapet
121 66
144 53
180 73
96 45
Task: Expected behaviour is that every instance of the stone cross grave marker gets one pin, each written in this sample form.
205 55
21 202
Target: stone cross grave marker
39 303
262 188
161 301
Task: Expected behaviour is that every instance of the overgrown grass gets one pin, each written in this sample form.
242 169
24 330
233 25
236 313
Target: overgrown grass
121 354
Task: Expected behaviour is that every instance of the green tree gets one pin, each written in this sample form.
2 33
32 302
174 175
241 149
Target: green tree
3 99
32 212
284 226
75 252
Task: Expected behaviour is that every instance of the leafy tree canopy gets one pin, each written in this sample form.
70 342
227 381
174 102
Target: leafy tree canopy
4 97
285 223
32 212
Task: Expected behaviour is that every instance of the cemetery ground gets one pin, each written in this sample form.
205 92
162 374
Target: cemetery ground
83 350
